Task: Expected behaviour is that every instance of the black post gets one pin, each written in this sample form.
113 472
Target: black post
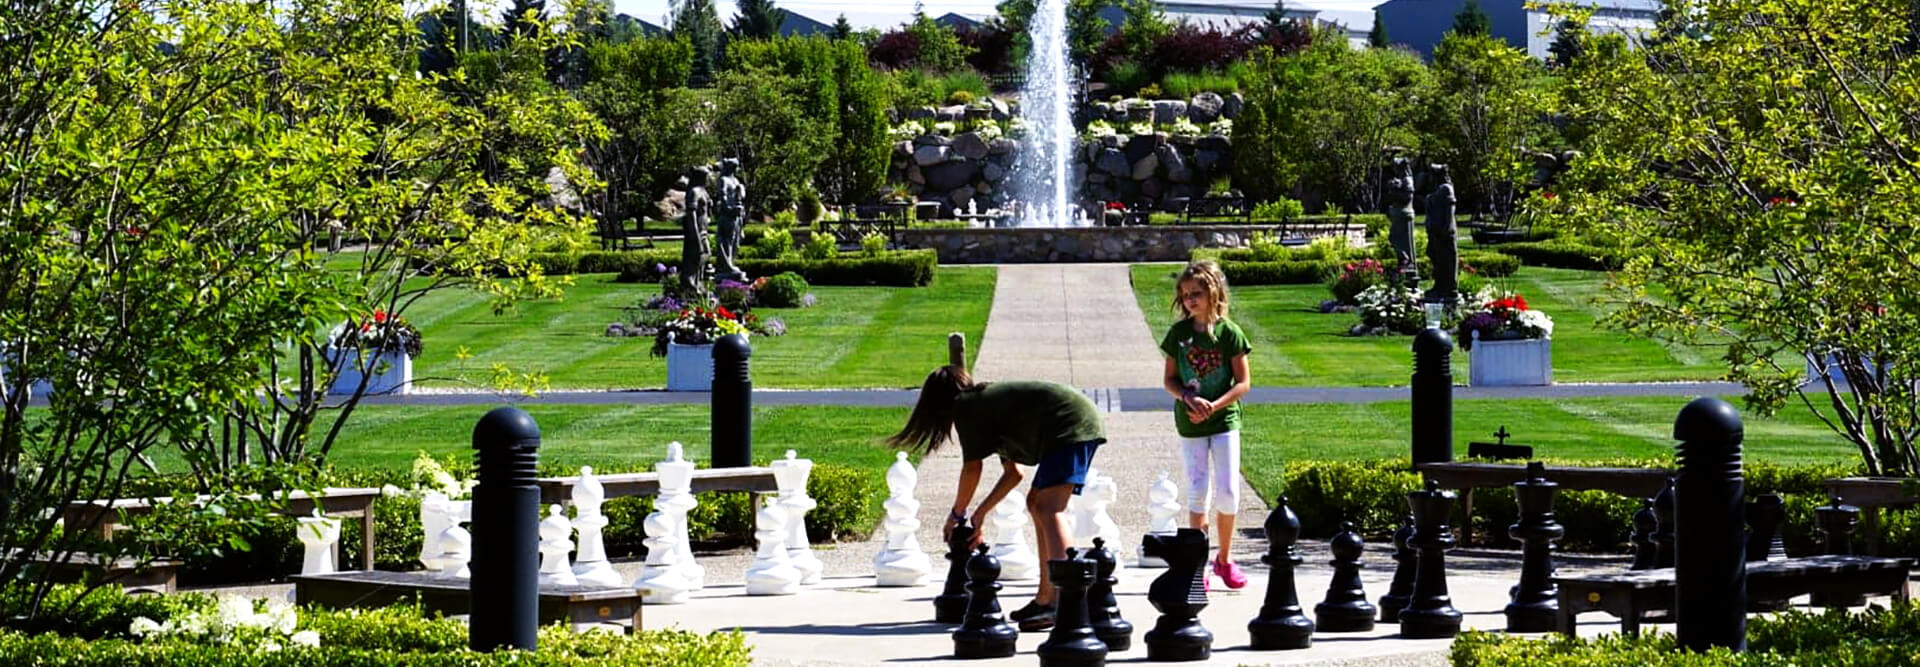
957 349
1281 625
732 403
1430 615
1400 590
1432 397
506 533
1346 608
1663 529
950 606
1710 551
1536 601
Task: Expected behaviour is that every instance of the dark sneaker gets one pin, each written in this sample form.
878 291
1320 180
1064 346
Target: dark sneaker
1032 610
1038 622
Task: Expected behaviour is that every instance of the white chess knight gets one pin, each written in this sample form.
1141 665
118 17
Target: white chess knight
1018 562
1092 519
556 539
456 549
319 535
771 573
901 562
1163 515
790 477
436 513
670 573
590 566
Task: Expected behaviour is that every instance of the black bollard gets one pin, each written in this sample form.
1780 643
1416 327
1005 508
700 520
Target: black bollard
1836 524
1281 625
1764 516
1710 546
1432 397
1663 527
1103 609
1072 643
506 533
732 403
1644 524
1178 594
950 606
985 633
1536 601
957 349
1400 591
1430 615
1346 608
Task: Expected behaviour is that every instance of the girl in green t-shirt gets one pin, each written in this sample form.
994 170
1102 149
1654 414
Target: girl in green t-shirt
1207 374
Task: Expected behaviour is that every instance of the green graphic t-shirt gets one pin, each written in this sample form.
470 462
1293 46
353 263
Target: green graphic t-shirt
1206 366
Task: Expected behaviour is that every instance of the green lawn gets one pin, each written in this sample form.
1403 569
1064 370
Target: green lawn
855 337
1295 345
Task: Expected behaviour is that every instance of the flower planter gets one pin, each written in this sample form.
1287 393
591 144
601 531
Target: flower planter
689 367
1505 363
392 373
1834 370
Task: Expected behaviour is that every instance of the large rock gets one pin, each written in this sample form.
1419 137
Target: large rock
1102 110
1114 140
1139 110
903 149
960 196
1205 108
1114 163
1208 161
1097 177
915 175
921 113
927 156
999 107
1144 168
955 112
932 140
1002 146
1215 142
1176 166
1140 146
1232 105
1117 113
970 146
1153 187
993 172
950 176
1167 111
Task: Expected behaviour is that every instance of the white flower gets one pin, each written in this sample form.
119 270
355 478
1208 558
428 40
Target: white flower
1222 127
944 127
390 491
1184 127
281 618
906 131
143 626
1141 128
235 612
1537 320
1100 128
305 638
269 646
988 130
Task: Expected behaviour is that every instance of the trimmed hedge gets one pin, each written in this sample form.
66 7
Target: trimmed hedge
1313 272
1562 254
901 268
1875 637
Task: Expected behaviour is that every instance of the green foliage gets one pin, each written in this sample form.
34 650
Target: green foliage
1281 208
1185 85
1129 76
896 268
1371 494
873 244
850 502
779 142
940 49
840 100
1564 254
1086 29
1482 113
774 243
1144 25
1280 273
1355 278
960 97
783 291
697 22
1321 118
1875 637
638 89
758 19
1377 37
1472 21
820 245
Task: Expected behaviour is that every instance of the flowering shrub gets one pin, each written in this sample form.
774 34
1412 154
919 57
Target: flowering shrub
1222 127
1279 209
988 130
906 131
1355 278
944 128
1185 128
233 620
820 246
698 326
786 290
873 243
774 243
1141 128
1100 128
380 332
1017 127
1499 315
733 294
1395 309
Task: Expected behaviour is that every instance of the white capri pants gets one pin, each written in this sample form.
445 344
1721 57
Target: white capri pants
1212 459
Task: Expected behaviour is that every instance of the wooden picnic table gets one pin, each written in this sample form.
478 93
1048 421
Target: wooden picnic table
105 516
1870 494
1632 594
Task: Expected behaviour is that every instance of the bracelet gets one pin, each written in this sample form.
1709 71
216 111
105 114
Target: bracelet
956 515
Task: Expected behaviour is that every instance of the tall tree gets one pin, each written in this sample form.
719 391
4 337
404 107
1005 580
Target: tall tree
1143 25
1472 20
516 20
1377 37
758 19
1285 35
1566 41
842 29
940 49
1481 112
698 22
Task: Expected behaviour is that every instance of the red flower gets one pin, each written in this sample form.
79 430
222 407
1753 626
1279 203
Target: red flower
1549 196
724 313
379 316
1116 206
135 231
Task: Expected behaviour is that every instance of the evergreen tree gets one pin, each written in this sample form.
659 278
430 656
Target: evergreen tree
841 28
1472 21
1566 42
758 19
1277 14
1377 37
1285 35
515 24
699 23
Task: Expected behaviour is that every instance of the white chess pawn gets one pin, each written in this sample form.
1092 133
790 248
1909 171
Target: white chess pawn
457 548
771 573
658 581
901 562
1101 491
1018 562
556 539
590 566
676 494
1163 515
436 513
319 535
790 475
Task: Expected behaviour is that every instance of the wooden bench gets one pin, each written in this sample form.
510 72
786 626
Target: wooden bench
1630 482
579 605
105 516
1631 595
1216 207
754 479
155 576
1870 494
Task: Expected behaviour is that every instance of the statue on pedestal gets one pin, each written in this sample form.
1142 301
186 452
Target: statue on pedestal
731 216
1440 239
1399 200
693 227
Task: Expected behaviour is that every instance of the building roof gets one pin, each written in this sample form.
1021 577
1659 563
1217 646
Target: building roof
959 22
797 24
646 29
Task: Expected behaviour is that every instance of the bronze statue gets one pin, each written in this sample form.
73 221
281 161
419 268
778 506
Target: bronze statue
1400 217
1440 239
693 225
731 214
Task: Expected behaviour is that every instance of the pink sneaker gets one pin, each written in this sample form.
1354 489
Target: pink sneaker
1230 573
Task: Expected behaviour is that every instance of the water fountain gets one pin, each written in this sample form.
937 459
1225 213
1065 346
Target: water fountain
1042 173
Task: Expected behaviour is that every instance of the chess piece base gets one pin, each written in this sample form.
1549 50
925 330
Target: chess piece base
1281 634
1082 652
1533 617
1430 623
1173 640
978 645
1351 617
1391 606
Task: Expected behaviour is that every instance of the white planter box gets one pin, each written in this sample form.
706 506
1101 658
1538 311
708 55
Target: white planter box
392 373
1833 368
689 367
1504 363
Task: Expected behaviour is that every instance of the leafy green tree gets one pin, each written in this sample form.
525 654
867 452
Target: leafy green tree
1086 29
845 97
1472 21
758 19
1377 37
698 22
1366 102
1764 175
521 15
657 126
1566 41
1143 26
940 48
1481 113
1268 152
780 146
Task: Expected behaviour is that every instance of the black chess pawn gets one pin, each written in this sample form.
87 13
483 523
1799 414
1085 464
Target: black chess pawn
1346 608
985 633
1764 516
1072 642
1836 523
1430 615
1400 591
1642 537
1179 594
1536 601
1663 527
1281 625
950 606
1103 609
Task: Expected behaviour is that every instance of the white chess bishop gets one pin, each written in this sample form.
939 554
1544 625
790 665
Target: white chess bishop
1093 519
1018 562
556 539
901 562
670 574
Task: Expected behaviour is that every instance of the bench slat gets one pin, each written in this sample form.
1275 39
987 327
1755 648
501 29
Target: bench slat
559 490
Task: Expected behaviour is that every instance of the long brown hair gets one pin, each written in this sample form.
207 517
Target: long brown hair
931 424
1207 274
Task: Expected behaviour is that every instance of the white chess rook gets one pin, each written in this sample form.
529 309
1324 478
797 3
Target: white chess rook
590 566
320 535
790 476
901 562
556 539
1163 515
771 573
1018 562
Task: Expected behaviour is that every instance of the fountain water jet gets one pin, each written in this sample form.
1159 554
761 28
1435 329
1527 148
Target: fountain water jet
1042 173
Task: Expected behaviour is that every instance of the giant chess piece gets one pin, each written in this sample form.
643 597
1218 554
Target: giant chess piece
1400 221
1400 591
436 513
1645 554
1072 642
1011 549
1346 608
1281 625
676 489
771 573
320 535
1163 515
1431 614
693 226
984 633
730 212
590 566
901 562
950 606
1836 523
669 573
1103 609
456 545
1441 251
1663 527
1536 601
790 475
1095 521
1764 516
1179 594
556 539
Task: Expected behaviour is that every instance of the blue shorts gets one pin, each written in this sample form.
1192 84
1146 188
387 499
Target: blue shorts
1065 465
